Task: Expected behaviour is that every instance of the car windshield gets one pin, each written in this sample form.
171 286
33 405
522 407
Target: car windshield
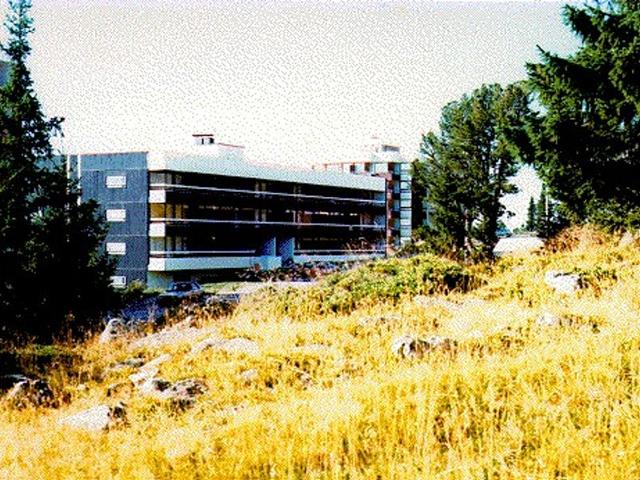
180 287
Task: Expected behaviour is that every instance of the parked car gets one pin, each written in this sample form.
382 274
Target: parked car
180 291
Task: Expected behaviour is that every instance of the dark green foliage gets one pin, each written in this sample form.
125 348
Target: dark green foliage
530 226
586 140
419 208
467 166
52 271
549 216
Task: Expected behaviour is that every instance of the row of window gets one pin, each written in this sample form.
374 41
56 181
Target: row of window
118 281
116 248
116 181
116 215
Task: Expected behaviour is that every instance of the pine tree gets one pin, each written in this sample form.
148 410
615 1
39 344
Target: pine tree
52 268
530 226
468 166
586 141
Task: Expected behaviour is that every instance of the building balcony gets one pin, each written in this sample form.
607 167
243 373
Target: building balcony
158 226
160 192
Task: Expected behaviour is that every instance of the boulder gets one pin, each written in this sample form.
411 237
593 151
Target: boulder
314 349
8 381
231 346
128 363
31 393
426 301
407 346
149 369
154 388
96 419
564 283
116 328
249 376
181 394
169 336
549 320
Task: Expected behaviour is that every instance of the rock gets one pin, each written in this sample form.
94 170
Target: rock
181 394
386 319
96 419
407 346
184 393
149 369
549 320
168 336
129 363
315 349
116 327
431 302
143 375
116 388
8 381
231 346
249 376
154 388
564 283
306 380
31 393
627 239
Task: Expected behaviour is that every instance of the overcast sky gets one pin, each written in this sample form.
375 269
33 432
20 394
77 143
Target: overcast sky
295 82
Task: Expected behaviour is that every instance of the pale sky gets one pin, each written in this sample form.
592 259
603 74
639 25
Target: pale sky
295 82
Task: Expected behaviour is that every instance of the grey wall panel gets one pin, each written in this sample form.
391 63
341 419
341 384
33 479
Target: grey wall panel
94 170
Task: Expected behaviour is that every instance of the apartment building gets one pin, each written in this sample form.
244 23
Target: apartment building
381 159
185 214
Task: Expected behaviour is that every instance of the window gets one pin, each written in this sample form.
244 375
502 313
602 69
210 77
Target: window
116 215
116 248
118 281
116 181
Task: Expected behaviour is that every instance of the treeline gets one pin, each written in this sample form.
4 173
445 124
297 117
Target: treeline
575 119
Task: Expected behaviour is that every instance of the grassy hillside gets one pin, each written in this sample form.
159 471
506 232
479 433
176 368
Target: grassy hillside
326 397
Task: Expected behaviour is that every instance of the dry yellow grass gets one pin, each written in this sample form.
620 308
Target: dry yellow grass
515 400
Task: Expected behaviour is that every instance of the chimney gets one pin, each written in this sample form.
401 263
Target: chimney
203 139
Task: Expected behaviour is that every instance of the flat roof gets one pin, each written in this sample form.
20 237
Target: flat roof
230 163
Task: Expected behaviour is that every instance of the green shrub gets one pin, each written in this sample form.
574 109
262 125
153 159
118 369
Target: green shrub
379 281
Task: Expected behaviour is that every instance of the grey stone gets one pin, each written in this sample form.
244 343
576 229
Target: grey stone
99 418
168 336
249 376
564 283
181 394
407 346
31 393
128 363
115 329
230 346
8 381
549 320
149 369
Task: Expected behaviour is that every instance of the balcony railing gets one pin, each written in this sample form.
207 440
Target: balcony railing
201 253
272 223
259 194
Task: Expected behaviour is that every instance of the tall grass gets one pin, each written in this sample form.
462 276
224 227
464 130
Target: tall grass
514 400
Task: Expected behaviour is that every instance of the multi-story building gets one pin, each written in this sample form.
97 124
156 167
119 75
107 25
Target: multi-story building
384 160
178 215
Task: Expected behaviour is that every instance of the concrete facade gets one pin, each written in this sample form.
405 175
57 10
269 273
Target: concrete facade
184 215
381 159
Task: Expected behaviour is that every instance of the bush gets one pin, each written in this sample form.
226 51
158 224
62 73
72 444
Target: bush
379 281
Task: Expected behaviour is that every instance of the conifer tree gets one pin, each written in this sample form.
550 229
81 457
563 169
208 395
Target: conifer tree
468 166
530 226
52 269
586 141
